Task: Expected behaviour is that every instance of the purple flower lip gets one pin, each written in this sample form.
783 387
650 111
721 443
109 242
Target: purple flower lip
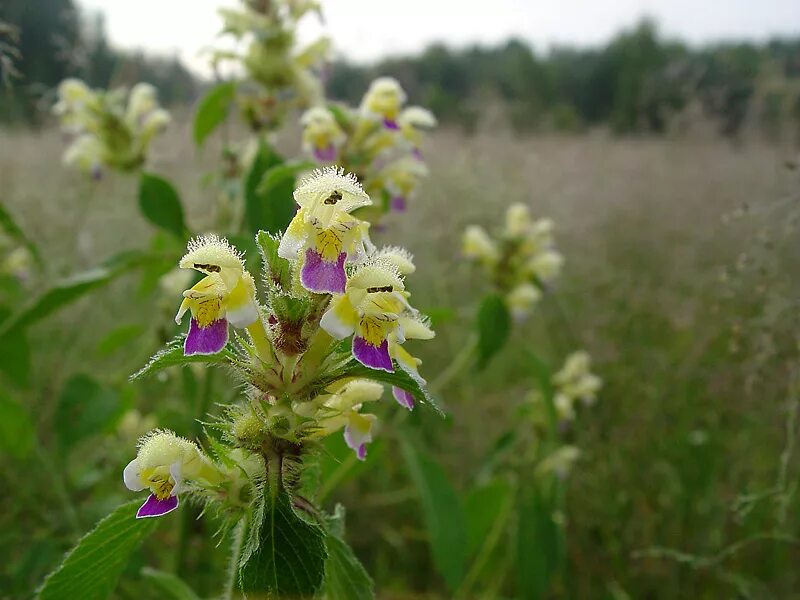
390 124
153 507
206 340
398 204
404 398
327 154
375 357
321 276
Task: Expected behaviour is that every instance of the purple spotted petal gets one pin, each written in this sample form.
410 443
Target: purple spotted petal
321 276
375 357
153 507
398 204
206 340
417 153
390 124
327 154
403 397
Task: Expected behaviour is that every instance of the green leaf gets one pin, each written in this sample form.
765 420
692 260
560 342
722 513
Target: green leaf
345 576
161 205
269 189
482 507
17 433
90 570
68 290
286 556
213 110
14 231
120 337
84 408
538 547
277 270
173 355
398 378
15 354
443 514
494 325
169 585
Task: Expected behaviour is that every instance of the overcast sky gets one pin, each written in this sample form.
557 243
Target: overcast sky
366 29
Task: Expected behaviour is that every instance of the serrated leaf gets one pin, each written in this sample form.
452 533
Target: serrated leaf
538 547
17 433
494 326
172 356
288 558
84 408
443 514
212 110
345 576
398 378
169 585
277 270
90 570
160 204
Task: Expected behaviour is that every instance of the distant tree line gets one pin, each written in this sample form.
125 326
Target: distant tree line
638 82
54 40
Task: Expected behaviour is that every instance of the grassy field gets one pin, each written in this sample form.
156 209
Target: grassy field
687 302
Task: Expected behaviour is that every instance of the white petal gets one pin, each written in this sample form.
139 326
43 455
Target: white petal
130 475
242 317
175 472
290 245
331 323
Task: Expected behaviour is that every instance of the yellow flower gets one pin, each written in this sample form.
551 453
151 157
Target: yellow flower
225 295
341 409
383 101
322 136
163 463
323 234
476 244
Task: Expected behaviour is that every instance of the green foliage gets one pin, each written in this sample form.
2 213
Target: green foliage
13 231
15 354
17 433
494 327
119 338
443 513
91 570
278 271
172 356
169 585
84 408
285 555
539 546
345 577
160 204
268 192
213 110
483 506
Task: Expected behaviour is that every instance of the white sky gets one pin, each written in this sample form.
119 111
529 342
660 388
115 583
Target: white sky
366 29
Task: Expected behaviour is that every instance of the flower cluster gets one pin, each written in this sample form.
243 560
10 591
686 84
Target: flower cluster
521 262
287 75
573 384
108 129
379 142
331 331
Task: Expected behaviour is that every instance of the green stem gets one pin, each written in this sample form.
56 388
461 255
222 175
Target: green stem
564 323
237 546
459 362
189 514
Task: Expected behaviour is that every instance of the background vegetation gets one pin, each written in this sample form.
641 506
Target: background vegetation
681 280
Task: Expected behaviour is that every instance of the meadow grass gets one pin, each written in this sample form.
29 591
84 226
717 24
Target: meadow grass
686 422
